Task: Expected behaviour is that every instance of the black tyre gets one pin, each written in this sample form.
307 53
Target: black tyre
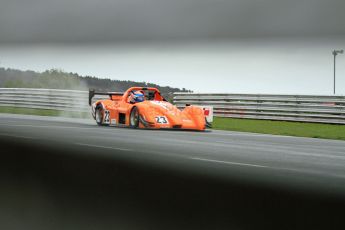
99 115
208 124
134 118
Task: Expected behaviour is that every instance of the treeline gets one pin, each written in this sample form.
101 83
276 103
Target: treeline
57 79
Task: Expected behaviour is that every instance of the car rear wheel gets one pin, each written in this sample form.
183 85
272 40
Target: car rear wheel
99 115
134 118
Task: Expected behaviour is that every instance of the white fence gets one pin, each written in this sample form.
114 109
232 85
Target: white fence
306 108
64 100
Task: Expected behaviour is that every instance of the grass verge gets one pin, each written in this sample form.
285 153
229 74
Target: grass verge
43 112
287 128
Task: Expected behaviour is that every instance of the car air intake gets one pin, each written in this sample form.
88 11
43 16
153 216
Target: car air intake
177 126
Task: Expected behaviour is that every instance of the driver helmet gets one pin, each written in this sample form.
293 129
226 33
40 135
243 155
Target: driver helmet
137 96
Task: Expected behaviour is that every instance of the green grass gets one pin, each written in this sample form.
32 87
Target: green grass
286 128
43 112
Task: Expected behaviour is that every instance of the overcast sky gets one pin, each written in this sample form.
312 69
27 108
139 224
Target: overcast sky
258 46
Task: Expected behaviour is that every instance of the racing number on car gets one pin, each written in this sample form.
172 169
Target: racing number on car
106 116
161 120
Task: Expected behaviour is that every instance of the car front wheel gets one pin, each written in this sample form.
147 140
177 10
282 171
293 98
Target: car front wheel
134 118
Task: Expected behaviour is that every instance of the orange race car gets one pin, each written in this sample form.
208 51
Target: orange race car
141 107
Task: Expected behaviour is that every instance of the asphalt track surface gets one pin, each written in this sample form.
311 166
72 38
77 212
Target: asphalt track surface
285 165
280 160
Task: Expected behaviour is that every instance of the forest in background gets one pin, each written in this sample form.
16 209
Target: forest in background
58 79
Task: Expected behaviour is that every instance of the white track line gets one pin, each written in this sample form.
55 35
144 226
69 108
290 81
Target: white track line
17 136
262 166
52 126
103 147
228 162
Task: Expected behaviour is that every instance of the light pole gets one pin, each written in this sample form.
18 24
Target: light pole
335 53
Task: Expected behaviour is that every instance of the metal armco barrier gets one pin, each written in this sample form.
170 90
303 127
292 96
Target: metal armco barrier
63 100
306 108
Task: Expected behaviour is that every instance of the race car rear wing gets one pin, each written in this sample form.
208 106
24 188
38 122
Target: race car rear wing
92 93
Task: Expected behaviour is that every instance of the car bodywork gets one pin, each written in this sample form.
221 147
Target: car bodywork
154 113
